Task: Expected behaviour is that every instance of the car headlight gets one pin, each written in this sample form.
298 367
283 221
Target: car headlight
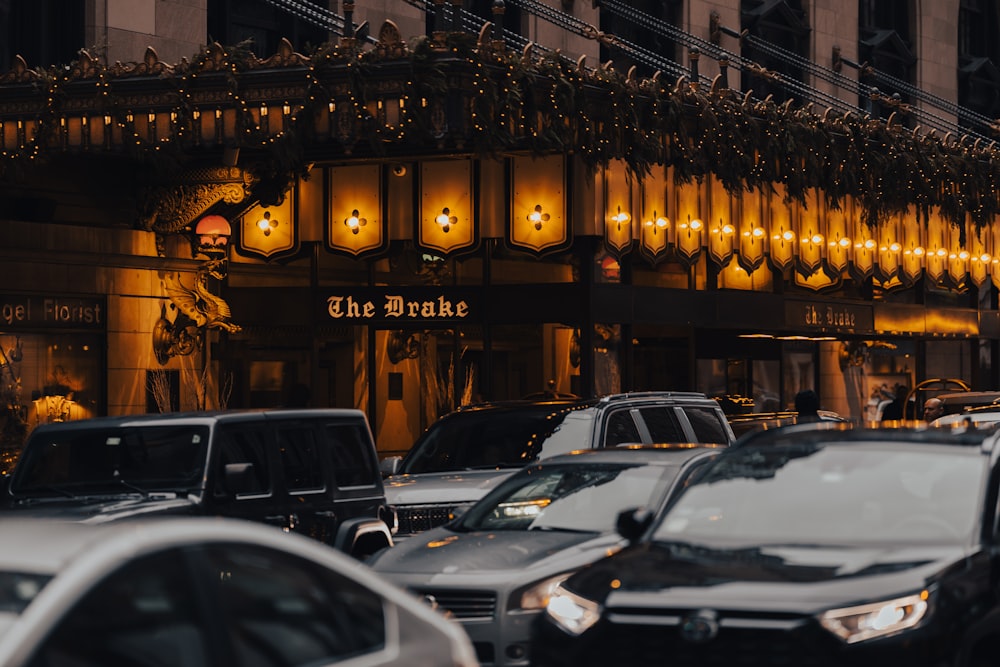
571 612
537 595
879 619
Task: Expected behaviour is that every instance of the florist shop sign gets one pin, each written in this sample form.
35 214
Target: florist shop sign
400 304
34 311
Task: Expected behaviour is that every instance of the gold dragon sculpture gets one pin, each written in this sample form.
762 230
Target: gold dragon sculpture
198 310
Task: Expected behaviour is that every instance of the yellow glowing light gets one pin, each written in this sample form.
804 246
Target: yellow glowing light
918 251
895 247
964 255
758 232
869 244
788 236
696 224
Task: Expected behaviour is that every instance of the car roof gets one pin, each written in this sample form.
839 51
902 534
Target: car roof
197 417
912 432
658 454
577 402
47 546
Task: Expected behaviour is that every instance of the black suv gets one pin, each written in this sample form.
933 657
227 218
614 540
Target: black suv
466 453
822 544
308 471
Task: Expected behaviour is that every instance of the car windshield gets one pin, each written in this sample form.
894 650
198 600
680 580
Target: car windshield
864 492
18 589
577 497
130 459
484 439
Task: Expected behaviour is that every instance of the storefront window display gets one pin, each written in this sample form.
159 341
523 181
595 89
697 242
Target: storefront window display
46 378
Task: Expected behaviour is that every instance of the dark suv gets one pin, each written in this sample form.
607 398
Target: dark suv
464 454
822 545
308 471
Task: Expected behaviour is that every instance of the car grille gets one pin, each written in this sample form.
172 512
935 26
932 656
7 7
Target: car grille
462 605
418 518
644 644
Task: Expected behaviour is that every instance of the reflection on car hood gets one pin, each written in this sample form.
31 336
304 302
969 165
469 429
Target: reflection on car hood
443 551
99 509
443 487
783 576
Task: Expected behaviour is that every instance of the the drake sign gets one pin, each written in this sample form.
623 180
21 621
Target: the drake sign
400 305
829 316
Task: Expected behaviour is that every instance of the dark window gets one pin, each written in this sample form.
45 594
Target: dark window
621 429
885 42
350 448
648 44
661 421
232 22
283 610
707 425
777 32
300 458
246 445
43 32
978 60
144 613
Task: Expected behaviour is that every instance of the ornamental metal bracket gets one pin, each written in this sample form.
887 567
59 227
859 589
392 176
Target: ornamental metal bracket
170 209
198 310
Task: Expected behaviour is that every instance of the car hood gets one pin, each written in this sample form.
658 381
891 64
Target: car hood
444 551
443 487
100 509
794 578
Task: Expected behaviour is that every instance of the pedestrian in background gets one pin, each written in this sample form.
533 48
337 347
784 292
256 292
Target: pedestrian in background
807 406
933 408
897 408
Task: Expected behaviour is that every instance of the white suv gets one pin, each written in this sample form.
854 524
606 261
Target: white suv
464 454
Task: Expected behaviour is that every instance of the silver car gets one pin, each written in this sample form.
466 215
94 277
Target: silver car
493 567
200 592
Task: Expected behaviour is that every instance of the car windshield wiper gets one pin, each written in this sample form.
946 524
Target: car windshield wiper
129 485
562 529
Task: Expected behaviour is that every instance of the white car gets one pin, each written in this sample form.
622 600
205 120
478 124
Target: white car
200 592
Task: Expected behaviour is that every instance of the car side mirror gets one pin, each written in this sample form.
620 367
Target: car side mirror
389 465
239 478
632 523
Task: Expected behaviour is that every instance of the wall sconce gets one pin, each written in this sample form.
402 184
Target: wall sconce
267 223
620 218
212 235
537 217
355 223
657 223
445 219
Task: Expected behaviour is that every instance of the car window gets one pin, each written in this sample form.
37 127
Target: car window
662 423
621 429
279 609
143 614
18 589
584 497
246 445
300 458
707 425
111 459
861 493
350 448
484 439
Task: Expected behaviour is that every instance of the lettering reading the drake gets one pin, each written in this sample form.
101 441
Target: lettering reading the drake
830 316
397 307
